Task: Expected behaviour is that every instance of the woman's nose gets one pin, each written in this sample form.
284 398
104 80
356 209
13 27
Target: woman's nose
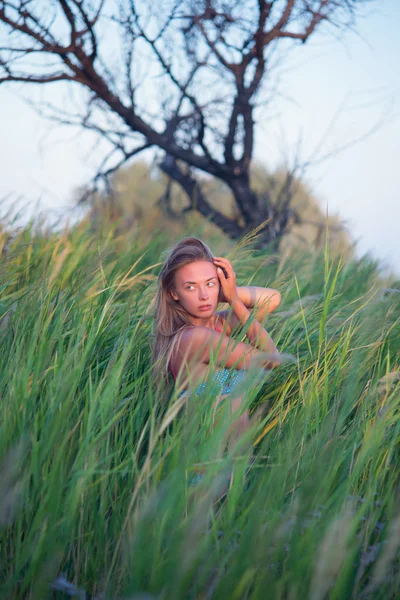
203 294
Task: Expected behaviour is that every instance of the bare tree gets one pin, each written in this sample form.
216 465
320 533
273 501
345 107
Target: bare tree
181 76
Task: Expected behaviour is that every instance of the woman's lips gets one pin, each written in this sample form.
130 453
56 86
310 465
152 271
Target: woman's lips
205 307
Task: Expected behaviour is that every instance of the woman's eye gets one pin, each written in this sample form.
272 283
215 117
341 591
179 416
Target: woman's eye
191 287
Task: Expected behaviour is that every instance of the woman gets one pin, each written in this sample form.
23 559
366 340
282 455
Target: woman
190 333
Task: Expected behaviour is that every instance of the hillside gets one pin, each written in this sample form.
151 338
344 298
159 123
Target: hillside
96 455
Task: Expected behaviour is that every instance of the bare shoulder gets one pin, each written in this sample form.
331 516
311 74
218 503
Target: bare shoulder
195 335
194 344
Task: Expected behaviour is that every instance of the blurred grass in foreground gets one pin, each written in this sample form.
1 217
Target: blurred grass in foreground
96 456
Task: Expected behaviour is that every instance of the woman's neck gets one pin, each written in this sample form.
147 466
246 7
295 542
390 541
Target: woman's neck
209 322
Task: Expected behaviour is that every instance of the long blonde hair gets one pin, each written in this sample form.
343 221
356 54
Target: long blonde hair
170 318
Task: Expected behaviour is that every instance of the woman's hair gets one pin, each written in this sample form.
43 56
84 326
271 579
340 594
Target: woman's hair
170 318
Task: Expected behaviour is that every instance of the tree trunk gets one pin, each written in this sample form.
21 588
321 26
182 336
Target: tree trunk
198 201
252 210
246 200
255 211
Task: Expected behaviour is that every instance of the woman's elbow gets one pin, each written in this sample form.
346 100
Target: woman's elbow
275 300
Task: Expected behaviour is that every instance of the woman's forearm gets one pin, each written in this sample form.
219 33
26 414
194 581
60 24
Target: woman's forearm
266 299
255 332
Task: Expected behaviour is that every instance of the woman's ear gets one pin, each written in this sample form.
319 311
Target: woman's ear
174 295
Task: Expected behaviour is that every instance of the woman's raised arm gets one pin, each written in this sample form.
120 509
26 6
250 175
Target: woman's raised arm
255 332
266 300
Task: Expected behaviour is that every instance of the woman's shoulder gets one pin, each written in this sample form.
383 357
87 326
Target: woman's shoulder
187 344
198 335
193 333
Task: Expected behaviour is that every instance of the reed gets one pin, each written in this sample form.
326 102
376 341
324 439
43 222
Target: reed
97 456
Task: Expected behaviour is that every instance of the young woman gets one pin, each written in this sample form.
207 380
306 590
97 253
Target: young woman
190 333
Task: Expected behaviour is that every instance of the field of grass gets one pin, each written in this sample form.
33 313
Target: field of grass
96 455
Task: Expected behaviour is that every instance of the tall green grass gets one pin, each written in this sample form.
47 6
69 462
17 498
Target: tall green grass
97 455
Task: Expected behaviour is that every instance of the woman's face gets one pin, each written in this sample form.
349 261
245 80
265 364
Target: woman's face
197 288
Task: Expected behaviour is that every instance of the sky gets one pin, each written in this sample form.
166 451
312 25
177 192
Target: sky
338 109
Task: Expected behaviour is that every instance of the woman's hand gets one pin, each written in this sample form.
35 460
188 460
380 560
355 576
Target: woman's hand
227 279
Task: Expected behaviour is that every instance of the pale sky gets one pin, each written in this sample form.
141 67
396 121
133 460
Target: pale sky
355 82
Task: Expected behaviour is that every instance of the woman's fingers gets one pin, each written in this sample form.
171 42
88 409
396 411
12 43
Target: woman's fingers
221 267
224 262
275 360
221 273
